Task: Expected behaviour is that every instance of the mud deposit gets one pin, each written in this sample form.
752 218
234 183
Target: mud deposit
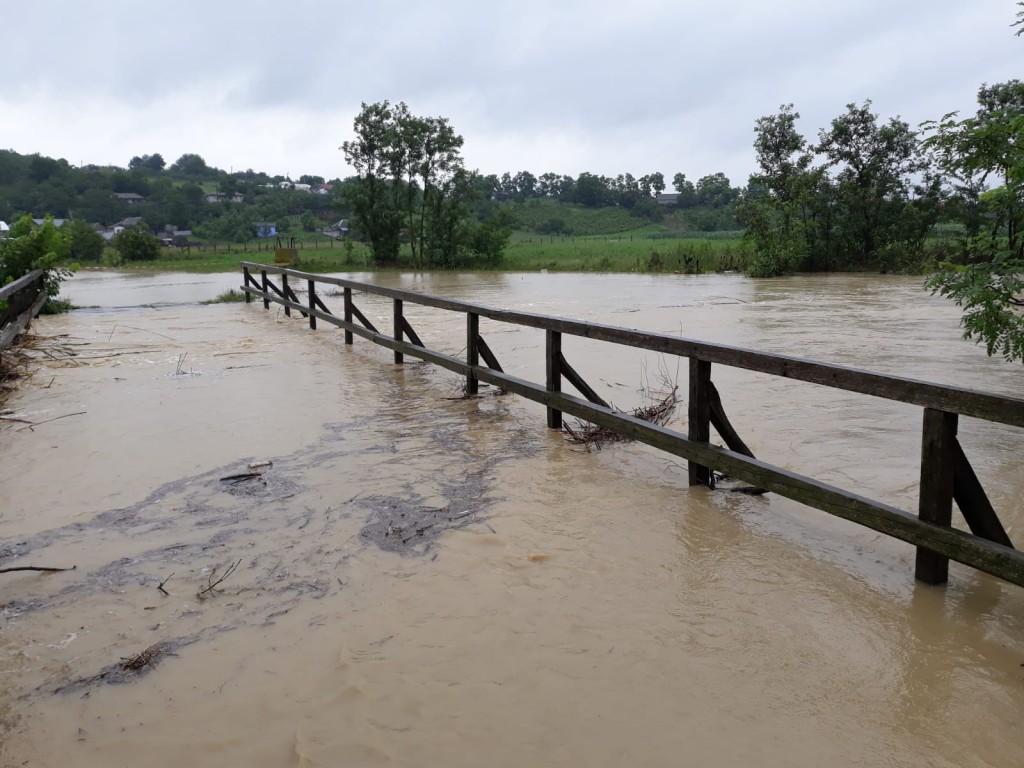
290 552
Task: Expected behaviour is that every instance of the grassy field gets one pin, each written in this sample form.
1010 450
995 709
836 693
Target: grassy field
625 253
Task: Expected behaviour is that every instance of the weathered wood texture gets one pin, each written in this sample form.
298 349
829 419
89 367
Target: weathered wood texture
23 282
348 313
553 368
286 293
974 505
312 304
938 465
472 352
411 334
24 299
397 326
698 425
938 538
486 353
577 381
720 421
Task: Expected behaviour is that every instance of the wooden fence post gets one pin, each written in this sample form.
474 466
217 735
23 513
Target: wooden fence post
553 355
312 303
397 314
245 281
935 505
266 289
284 290
698 428
472 351
348 313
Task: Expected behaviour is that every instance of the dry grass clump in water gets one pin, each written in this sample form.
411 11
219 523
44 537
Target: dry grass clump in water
659 412
15 365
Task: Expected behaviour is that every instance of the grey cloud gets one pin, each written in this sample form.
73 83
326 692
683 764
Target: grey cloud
666 85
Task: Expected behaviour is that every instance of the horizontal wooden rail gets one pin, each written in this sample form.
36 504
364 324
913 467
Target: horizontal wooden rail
993 557
25 298
20 284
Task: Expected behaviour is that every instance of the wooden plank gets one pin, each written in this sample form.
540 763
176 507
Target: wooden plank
290 294
577 381
23 282
22 299
970 497
348 313
938 465
472 352
246 279
265 285
698 425
411 334
553 368
321 305
397 325
10 331
486 354
312 304
284 293
1000 409
362 318
720 421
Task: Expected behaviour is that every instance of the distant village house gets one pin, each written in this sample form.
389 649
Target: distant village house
224 197
265 228
129 197
338 230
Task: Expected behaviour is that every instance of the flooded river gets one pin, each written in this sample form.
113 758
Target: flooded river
558 608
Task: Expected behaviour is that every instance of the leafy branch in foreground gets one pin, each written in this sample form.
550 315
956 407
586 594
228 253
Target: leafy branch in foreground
992 295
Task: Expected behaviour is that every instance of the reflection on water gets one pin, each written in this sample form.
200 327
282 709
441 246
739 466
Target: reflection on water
594 611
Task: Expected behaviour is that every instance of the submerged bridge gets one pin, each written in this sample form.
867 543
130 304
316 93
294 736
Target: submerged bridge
946 472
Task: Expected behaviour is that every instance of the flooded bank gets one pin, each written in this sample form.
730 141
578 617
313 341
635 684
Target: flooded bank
563 607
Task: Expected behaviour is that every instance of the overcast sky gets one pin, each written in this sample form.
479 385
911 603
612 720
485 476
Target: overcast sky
564 85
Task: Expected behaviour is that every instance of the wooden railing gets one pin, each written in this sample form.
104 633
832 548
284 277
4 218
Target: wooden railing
946 473
24 298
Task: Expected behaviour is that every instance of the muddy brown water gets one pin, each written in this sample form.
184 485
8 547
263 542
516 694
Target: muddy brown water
558 607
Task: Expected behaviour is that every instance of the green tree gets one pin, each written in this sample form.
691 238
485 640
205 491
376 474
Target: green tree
775 207
137 244
153 163
411 176
686 191
84 242
28 247
873 164
591 191
192 166
715 190
985 153
376 156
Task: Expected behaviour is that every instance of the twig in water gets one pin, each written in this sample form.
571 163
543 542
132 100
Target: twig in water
47 421
145 658
153 332
112 333
15 418
36 568
181 359
211 585
233 479
160 586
